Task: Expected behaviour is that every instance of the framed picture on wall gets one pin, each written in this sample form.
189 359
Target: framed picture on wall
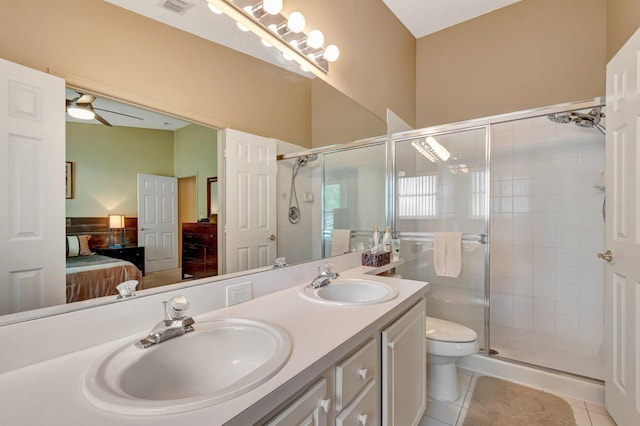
68 180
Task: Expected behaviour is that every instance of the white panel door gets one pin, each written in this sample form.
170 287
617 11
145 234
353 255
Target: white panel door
32 155
250 200
404 369
622 289
158 221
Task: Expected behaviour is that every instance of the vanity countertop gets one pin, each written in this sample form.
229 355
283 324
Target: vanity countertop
50 392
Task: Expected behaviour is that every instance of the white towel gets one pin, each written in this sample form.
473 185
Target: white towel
340 241
447 254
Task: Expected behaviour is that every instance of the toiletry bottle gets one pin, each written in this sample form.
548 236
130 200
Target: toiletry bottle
376 238
386 240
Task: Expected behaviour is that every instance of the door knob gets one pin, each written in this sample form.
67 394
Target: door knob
142 228
272 237
607 255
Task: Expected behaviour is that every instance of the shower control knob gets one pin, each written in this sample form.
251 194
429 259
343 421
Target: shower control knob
272 237
607 255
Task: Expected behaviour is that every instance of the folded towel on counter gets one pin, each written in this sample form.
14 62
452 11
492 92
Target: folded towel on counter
340 241
447 254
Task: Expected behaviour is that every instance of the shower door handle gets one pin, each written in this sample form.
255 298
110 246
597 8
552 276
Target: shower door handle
272 237
607 255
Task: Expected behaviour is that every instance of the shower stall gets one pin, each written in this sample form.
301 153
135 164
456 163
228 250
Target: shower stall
526 191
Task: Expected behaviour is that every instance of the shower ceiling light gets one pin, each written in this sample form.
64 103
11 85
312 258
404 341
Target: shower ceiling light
263 18
431 149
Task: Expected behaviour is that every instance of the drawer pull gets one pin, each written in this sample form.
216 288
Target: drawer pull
362 419
362 372
325 404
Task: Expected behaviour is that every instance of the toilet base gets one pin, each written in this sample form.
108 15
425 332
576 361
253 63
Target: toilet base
443 378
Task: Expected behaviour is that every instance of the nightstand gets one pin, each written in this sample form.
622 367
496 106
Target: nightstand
133 254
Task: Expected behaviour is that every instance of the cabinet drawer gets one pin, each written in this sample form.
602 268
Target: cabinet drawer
353 373
363 411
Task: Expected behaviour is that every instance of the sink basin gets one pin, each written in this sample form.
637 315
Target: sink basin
220 360
351 292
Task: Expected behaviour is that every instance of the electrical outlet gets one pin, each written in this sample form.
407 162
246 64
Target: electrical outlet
239 293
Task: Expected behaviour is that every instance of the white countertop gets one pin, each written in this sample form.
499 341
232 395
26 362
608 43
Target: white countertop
50 392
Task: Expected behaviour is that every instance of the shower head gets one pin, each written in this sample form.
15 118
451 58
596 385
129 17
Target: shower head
560 118
580 119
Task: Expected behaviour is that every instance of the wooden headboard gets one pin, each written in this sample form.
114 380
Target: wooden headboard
97 227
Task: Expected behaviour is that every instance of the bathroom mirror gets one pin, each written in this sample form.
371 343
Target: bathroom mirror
337 119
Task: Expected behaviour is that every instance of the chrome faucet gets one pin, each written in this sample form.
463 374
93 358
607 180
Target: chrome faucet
174 324
325 275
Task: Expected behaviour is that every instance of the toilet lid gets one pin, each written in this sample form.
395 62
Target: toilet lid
447 331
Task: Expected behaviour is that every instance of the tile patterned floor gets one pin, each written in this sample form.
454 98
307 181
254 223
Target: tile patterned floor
452 413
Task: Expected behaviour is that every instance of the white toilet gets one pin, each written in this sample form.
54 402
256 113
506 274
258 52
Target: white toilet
446 343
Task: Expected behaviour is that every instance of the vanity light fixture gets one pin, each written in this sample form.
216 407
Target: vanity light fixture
116 225
263 18
81 111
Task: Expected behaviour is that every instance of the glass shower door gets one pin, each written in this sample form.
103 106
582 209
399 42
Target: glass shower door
354 193
440 185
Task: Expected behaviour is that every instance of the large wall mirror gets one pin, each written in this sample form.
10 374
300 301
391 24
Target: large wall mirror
108 159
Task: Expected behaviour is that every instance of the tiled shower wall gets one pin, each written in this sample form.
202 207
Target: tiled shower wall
546 229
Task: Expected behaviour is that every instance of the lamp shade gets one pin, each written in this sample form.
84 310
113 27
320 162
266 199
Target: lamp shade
116 221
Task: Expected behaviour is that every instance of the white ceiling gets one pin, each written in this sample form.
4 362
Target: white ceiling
423 17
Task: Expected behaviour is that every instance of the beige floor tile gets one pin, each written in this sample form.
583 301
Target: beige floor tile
581 416
598 419
596 408
461 417
429 421
444 411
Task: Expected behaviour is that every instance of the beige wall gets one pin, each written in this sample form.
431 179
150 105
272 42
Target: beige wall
337 119
102 48
377 65
623 19
530 54
106 161
196 154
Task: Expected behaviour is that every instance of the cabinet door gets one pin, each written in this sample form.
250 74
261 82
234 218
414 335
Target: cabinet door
308 410
404 369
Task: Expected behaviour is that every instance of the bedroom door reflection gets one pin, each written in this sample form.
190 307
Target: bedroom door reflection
158 221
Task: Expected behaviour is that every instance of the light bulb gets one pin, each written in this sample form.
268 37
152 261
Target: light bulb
296 22
214 9
286 56
265 43
304 68
242 27
315 39
331 53
272 7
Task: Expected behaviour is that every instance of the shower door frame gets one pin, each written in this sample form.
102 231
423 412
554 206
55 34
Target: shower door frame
486 122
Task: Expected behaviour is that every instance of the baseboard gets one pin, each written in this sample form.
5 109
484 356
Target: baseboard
567 385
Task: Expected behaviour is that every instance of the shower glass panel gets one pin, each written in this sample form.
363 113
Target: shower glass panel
547 226
441 186
353 194
298 188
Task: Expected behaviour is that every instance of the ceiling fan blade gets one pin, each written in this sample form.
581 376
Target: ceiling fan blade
102 120
119 113
85 99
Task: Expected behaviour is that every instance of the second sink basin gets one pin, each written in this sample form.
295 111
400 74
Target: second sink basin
351 292
218 361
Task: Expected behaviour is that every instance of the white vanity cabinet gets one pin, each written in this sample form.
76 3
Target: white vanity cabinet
309 409
404 369
388 367
358 386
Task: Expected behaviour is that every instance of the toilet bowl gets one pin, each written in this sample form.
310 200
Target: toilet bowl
446 343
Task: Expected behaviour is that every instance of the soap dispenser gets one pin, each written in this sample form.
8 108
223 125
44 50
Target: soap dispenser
386 240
